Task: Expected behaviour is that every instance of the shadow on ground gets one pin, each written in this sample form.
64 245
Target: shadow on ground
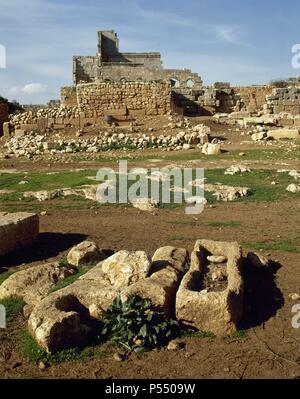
262 296
47 245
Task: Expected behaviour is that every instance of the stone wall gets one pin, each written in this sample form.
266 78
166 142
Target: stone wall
253 97
135 98
284 100
68 96
3 115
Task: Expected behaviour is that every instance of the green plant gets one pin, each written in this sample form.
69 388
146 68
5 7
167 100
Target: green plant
13 307
4 276
135 325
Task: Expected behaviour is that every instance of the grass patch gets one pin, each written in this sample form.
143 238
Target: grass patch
224 224
4 276
80 271
281 246
239 334
32 352
13 307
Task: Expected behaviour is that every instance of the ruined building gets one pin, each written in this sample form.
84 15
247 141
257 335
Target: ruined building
109 65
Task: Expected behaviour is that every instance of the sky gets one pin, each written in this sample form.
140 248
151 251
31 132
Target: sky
241 42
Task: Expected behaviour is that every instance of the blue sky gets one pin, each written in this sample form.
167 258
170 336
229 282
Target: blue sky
243 42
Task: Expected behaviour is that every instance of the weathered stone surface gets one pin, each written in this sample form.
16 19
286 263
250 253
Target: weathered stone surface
145 204
258 136
33 284
125 268
215 311
61 319
86 251
227 193
278 134
293 188
160 287
58 322
17 230
211 149
217 259
42 195
237 169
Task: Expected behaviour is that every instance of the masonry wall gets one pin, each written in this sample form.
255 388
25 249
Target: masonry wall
253 97
284 100
68 96
136 98
3 115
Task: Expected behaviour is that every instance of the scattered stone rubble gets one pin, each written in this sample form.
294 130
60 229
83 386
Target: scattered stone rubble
31 143
207 296
227 193
237 169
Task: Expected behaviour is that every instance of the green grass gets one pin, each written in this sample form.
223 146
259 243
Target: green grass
252 154
223 224
281 246
32 352
80 271
4 276
13 307
258 181
42 181
240 334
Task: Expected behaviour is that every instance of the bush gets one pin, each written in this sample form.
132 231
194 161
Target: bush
135 325
279 83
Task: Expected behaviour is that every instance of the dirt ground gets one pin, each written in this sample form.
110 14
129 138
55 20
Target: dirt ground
270 346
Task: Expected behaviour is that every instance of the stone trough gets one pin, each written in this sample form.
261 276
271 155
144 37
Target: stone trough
210 297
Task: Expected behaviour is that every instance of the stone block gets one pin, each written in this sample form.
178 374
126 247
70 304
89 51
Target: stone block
210 296
17 230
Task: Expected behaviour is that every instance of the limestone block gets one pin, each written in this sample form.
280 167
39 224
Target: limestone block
211 309
17 230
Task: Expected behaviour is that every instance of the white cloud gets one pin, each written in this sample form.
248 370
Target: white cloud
229 33
30 88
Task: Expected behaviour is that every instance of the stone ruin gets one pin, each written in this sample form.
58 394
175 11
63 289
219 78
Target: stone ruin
128 86
206 296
